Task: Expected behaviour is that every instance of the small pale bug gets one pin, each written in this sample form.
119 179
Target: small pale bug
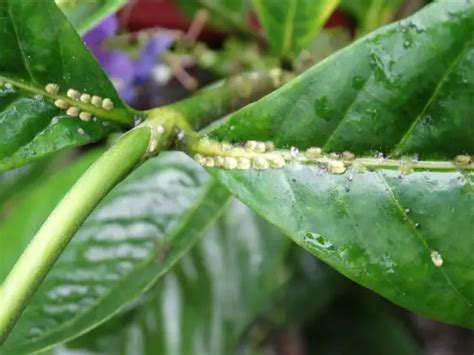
259 163
225 147
73 111
85 98
52 88
260 147
107 104
269 146
336 167
219 161
96 101
313 153
276 161
251 145
230 163
85 116
462 159
436 258
348 155
73 94
61 104
210 163
81 131
200 159
243 163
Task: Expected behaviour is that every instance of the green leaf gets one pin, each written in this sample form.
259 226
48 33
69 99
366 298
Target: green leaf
135 235
291 24
34 206
206 302
86 14
404 89
371 14
40 47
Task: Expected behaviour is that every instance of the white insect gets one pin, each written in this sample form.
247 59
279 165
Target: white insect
52 88
259 163
107 104
230 163
85 116
85 98
73 94
251 145
260 147
73 111
243 163
313 152
463 159
336 167
63 105
276 161
436 258
96 101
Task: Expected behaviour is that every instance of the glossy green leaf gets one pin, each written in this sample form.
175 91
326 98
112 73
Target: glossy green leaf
291 24
135 235
206 302
39 47
404 89
85 14
371 14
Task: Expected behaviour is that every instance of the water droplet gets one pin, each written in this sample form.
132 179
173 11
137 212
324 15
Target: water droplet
317 241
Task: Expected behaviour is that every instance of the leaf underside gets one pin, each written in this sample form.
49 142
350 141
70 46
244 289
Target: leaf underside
205 303
39 46
135 235
405 89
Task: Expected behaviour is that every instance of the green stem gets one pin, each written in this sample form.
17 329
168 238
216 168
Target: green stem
226 96
54 235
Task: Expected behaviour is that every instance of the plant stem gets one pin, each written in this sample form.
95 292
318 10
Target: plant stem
222 98
56 232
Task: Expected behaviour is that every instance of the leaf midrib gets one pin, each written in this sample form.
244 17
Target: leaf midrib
110 116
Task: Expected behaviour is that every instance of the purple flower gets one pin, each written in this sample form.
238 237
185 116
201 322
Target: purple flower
125 72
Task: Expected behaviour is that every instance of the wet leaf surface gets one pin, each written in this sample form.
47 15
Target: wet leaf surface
135 235
405 89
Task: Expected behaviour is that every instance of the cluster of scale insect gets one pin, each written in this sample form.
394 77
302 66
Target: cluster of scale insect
83 98
262 156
